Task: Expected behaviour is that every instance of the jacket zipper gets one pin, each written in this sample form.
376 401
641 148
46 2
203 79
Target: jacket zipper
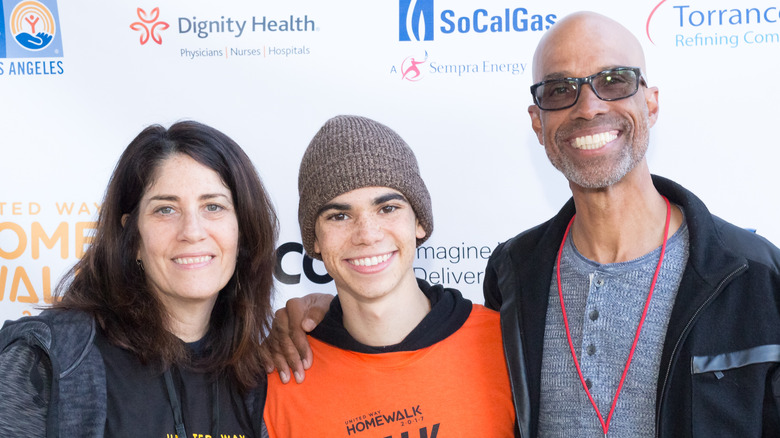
684 334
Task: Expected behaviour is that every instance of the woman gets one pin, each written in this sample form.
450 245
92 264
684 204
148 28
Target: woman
158 330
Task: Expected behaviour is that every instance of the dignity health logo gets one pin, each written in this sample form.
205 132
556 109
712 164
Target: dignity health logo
30 29
149 27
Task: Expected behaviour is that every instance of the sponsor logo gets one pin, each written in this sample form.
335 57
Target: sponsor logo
410 68
237 27
649 18
282 269
32 25
415 68
456 265
30 29
149 27
223 37
724 24
417 20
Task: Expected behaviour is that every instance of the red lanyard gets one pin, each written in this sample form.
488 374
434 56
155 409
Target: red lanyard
605 425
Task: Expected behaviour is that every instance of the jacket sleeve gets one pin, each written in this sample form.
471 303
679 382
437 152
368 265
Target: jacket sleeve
493 298
25 391
773 423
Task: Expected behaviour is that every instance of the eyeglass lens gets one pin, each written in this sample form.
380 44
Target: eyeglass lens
608 85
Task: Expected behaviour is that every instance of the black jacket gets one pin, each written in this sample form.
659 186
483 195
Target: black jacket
75 404
720 368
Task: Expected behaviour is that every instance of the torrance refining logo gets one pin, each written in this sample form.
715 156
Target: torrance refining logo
415 16
650 17
149 25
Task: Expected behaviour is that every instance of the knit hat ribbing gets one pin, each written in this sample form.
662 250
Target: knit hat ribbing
352 152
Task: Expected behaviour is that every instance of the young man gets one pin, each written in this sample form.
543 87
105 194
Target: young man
394 356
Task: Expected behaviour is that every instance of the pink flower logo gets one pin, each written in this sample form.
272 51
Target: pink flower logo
149 26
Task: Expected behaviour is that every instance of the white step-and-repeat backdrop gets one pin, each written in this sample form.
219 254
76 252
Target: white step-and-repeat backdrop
79 79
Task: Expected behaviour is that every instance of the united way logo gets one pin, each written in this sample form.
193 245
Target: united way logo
415 20
30 29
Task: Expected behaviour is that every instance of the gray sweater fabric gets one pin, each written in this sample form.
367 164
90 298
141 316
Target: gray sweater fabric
604 304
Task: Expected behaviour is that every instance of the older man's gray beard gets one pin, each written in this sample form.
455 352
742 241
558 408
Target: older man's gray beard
600 172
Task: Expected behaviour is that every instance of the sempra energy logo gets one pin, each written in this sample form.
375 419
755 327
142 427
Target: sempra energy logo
410 68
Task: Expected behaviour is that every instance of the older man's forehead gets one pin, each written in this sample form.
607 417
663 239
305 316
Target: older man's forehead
582 43
557 59
563 74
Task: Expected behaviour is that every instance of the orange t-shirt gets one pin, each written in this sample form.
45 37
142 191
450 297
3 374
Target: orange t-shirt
458 387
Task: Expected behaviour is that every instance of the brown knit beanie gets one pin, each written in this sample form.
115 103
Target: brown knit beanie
352 152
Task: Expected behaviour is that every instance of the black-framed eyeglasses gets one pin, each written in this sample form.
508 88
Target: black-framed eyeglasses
613 84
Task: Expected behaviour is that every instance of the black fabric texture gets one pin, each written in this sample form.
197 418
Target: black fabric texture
139 404
449 311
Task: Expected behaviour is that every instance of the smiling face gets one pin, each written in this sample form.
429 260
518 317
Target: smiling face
594 143
189 233
367 239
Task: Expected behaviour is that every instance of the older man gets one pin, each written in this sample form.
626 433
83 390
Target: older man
642 314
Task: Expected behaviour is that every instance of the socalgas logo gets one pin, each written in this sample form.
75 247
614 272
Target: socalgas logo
714 24
30 29
417 20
